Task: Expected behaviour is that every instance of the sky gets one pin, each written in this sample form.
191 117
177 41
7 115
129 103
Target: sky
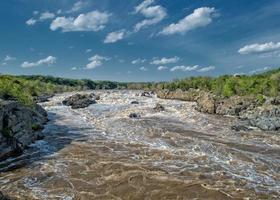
139 40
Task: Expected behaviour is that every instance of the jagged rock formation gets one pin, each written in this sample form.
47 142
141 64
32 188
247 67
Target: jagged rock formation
19 126
81 100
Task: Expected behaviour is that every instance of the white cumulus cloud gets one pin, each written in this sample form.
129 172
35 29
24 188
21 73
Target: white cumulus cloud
260 48
31 22
46 15
92 21
96 61
46 61
199 18
164 61
207 69
154 14
115 36
143 69
184 68
88 50
162 68
79 5
138 61
9 58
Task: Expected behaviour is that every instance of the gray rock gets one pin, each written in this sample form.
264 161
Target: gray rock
147 94
159 107
16 122
235 105
135 116
265 117
2 197
80 101
134 102
206 103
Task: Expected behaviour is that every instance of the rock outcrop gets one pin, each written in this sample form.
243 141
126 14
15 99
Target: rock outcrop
206 102
235 105
2 197
43 98
190 95
147 94
263 115
266 117
19 126
81 100
134 116
159 107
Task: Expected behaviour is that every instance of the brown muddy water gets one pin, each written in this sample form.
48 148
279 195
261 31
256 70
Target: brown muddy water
100 153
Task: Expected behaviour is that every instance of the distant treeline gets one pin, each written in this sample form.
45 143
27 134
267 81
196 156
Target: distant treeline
25 88
267 84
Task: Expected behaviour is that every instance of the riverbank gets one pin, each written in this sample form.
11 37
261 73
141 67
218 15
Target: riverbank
261 112
20 126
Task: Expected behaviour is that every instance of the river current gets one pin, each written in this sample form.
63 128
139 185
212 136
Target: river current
100 153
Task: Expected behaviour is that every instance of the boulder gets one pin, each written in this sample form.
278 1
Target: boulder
206 103
134 116
17 124
80 100
134 102
238 128
235 105
266 118
147 94
159 107
2 197
43 98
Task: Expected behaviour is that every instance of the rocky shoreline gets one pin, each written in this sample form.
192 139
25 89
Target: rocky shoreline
20 126
263 113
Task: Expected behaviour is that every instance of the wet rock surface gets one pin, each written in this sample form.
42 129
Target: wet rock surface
19 126
2 197
81 100
159 107
135 116
43 98
261 115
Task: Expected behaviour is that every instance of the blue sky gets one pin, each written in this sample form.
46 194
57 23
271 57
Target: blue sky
139 40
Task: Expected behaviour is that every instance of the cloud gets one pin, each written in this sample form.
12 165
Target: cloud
143 69
138 61
260 48
46 61
88 50
184 68
79 5
96 61
92 21
31 22
35 12
9 58
74 68
162 68
115 36
207 69
199 18
154 14
46 15
259 70
164 61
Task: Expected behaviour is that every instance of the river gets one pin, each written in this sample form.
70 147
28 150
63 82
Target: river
100 153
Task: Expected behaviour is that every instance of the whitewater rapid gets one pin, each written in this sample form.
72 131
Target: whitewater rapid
100 153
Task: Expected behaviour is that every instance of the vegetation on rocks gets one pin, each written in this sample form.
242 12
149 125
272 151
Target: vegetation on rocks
267 84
